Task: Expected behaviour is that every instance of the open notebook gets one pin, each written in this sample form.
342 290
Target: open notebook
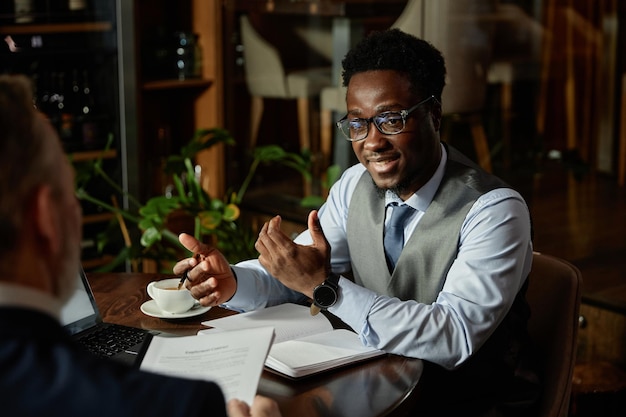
304 344
81 318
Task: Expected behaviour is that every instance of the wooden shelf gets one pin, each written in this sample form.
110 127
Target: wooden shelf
176 84
170 110
45 28
91 155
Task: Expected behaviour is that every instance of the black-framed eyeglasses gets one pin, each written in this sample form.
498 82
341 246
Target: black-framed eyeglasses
387 123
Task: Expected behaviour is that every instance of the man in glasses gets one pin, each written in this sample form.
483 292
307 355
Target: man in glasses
454 296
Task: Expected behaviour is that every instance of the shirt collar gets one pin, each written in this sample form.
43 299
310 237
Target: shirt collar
12 295
422 198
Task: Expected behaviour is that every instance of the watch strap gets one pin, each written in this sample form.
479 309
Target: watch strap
333 280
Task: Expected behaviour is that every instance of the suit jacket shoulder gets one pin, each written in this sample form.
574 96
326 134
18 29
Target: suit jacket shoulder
40 361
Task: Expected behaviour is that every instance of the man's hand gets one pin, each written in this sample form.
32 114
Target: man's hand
210 279
298 267
261 407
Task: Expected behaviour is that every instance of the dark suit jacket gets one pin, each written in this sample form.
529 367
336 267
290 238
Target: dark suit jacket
43 373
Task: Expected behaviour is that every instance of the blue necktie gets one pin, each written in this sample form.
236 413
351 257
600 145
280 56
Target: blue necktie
394 234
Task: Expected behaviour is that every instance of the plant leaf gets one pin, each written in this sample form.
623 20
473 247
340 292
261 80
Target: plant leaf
159 206
150 236
210 219
217 204
180 187
333 173
174 164
312 201
231 212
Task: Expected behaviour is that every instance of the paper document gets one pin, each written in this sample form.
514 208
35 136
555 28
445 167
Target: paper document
233 359
290 321
304 344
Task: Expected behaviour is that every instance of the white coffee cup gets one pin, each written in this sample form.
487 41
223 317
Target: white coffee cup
168 297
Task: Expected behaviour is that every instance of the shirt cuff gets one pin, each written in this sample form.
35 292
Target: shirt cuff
246 294
353 305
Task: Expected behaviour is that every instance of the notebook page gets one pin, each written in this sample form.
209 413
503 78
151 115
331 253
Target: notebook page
290 321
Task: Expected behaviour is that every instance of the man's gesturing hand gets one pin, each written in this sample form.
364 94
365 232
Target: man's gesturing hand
210 279
298 267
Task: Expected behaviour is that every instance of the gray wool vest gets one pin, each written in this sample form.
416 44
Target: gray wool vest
429 252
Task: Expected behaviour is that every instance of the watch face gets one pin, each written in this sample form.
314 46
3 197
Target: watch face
325 296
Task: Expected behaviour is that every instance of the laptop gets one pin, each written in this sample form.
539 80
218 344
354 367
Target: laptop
81 318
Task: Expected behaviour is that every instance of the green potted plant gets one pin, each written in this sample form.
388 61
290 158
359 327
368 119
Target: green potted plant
158 221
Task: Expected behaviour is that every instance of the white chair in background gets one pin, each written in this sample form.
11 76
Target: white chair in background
266 78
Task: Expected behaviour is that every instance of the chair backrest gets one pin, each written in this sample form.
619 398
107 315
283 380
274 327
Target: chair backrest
265 74
318 35
554 294
411 20
458 30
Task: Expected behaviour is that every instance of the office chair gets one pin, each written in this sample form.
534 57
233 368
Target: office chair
554 295
266 78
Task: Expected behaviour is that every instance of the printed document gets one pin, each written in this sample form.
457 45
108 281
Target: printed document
233 359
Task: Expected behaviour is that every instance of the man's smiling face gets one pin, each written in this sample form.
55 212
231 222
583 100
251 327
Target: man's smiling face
403 162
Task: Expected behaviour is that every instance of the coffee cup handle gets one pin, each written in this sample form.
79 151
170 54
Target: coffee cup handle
149 289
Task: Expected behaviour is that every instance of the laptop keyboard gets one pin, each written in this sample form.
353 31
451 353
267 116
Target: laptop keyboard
112 339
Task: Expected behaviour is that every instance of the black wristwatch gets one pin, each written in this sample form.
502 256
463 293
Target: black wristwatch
326 294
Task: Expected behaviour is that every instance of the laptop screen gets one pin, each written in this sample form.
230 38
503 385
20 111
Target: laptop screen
80 312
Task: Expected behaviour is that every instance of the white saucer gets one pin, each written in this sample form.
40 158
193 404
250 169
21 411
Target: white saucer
150 308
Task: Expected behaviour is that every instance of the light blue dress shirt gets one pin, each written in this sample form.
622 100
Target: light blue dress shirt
493 261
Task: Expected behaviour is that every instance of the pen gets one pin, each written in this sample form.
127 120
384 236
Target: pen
185 276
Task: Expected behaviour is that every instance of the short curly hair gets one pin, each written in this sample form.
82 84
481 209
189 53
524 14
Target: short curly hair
399 51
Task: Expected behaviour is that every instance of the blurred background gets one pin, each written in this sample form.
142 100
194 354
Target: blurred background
536 93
